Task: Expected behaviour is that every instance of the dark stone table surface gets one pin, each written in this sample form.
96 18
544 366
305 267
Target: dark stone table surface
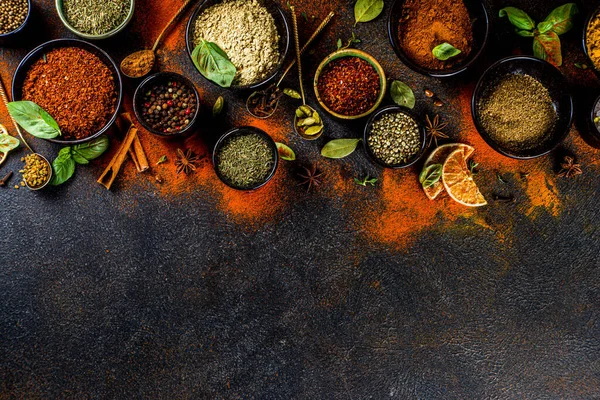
187 289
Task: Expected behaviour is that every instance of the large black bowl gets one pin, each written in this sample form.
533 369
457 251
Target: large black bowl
245 130
38 53
283 28
547 75
481 29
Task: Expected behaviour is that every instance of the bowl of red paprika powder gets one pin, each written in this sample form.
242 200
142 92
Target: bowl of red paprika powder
416 27
81 87
350 84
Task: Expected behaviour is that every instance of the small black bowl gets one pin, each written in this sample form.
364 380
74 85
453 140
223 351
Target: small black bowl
481 30
162 77
38 53
245 130
283 28
547 75
392 110
591 117
13 35
589 18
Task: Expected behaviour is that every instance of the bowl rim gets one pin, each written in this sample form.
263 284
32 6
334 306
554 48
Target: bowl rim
64 42
155 77
395 109
286 34
595 129
22 26
250 130
351 53
59 10
448 73
483 133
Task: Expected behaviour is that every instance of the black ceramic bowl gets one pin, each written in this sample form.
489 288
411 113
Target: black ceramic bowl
281 23
245 130
595 11
392 110
38 53
547 75
591 117
481 28
158 78
9 36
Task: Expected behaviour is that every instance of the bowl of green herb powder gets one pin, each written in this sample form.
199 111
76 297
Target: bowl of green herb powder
238 43
95 19
245 158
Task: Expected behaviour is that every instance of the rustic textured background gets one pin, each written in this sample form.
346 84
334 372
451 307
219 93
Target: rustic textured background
187 289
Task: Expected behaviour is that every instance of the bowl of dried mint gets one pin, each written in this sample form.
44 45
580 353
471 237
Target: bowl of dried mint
95 19
245 158
248 38
394 138
522 107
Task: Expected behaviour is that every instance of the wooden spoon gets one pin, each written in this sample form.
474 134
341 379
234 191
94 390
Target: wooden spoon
146 59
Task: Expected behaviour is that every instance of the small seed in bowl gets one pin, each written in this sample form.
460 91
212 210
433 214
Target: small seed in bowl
36 171
12 15
394 138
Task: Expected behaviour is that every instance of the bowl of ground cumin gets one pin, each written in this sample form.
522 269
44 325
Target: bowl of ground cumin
522 107
416 27
255 35
77 83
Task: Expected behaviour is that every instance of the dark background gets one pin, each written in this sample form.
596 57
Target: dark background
154 292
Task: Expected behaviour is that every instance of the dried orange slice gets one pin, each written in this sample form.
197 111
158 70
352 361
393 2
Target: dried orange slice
458 181
439 156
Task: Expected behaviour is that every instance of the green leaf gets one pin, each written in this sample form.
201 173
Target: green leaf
431 175
524 33
213 63
286 153
560 21
161 160
340 148
63 167
8 143
546 46
366 181
79 159
445 51
292 93
34 119
339 44
218 106
367 10
518 18
402 94
90 150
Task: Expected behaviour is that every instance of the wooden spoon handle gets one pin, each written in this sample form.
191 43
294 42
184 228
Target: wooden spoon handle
298 53
175 18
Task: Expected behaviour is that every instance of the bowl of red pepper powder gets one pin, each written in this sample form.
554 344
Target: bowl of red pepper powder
350 84
77 83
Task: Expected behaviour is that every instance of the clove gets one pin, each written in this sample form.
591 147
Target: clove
5 180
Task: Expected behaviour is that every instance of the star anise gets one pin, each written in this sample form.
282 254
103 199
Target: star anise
186 162
435 129
311 177
569 168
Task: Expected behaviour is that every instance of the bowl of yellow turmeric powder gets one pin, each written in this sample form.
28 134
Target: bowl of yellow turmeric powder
591 38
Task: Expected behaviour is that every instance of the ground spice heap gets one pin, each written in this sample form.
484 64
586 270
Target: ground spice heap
96 17
518 112
246 31
75 87
168 107
12 15
349 86
394 139
245 161
425 24
592 40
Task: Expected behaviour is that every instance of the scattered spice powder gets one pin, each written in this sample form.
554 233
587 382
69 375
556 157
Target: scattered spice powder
75 87
425 24
349 86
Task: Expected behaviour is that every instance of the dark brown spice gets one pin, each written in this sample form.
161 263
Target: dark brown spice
569 168
435 129
311 177
6 178
186 162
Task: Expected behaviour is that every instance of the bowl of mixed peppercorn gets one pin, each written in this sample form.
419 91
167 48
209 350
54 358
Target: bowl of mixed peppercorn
166 104
14 15
350 84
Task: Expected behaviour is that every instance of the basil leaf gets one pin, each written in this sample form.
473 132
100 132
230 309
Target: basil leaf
285 152
90 150
560 20
367 10
34 119
340 148
445 51
213 63
63 167
546 46
402 94
8 143
431 175
524 33
79 159
518 18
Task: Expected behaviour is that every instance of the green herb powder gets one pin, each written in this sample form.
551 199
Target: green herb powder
245 161
96 17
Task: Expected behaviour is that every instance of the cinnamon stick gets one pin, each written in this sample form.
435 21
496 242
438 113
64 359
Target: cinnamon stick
112 170
136 152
